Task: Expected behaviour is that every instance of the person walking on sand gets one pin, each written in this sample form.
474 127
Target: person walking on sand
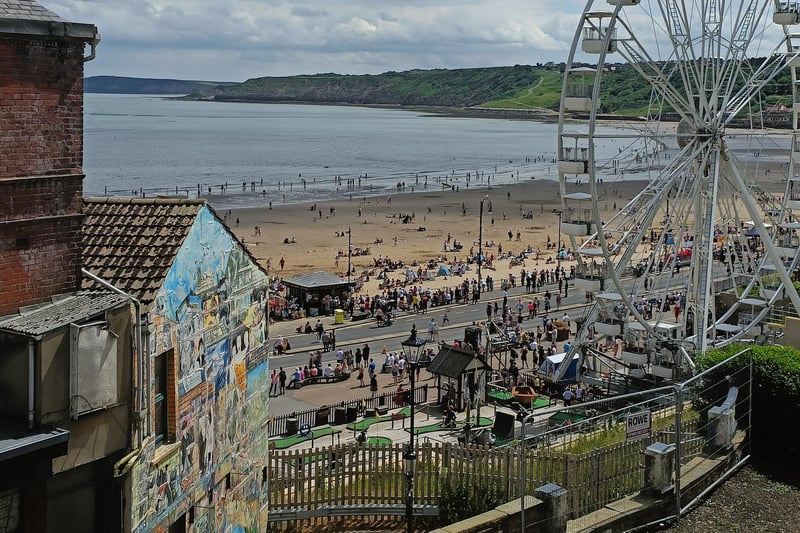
282 262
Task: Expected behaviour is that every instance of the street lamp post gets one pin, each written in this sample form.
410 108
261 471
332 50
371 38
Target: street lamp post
349 255
480 241
412 347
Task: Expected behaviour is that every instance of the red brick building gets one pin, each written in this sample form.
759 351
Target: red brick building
60 434
41 152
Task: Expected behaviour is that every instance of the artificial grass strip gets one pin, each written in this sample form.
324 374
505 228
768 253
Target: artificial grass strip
288 442
378 441
571 417
484 421
538 403
501 396
364 424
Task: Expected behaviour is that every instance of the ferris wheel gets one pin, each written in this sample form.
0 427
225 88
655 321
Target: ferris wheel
703 254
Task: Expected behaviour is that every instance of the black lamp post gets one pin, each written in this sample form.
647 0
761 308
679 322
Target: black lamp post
412 347
349 255
480 240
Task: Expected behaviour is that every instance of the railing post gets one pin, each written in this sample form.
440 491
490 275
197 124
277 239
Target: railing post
678 447
555 508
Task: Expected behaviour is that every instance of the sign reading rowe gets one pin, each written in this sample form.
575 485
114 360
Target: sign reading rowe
637 425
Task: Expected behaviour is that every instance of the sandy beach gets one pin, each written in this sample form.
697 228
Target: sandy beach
415 226
411 226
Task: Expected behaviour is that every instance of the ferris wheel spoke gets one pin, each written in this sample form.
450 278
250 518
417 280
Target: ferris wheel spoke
649 69
772 254
755 84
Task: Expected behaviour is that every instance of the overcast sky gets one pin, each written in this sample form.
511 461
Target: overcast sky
232 40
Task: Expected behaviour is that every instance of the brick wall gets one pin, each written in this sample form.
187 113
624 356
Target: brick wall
41 169
41 107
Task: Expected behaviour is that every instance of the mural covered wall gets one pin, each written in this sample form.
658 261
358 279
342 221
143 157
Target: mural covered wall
210 315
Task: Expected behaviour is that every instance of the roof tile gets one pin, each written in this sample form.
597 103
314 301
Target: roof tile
131 243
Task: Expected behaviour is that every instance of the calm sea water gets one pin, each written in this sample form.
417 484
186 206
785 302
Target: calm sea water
143 144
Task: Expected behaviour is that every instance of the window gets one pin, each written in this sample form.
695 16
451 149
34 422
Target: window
162 398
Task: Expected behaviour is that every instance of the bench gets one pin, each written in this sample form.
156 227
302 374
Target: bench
294 384
377 509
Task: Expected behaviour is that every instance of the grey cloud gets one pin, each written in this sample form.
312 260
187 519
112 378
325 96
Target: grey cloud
237 39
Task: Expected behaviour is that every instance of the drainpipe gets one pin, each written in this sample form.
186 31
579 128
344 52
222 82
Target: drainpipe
139 390
31 380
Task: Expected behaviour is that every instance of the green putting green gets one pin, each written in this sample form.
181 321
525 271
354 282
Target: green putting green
371 441
571 417
538 403
288 442
439 426
502 396
364 424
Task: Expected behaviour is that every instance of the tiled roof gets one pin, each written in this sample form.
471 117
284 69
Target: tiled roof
42 319
132 243
26 10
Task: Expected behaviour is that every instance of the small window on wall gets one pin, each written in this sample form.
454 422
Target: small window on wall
160 397
163 398
94 363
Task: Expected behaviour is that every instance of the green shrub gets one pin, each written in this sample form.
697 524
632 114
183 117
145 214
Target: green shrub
775 398
461 499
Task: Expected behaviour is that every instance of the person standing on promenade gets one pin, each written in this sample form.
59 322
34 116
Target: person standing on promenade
373 384
282 380
365 353
446 317
273 387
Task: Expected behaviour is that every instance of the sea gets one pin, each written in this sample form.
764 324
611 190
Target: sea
250 154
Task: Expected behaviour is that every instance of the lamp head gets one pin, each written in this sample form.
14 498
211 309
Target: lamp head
413 347
410 461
